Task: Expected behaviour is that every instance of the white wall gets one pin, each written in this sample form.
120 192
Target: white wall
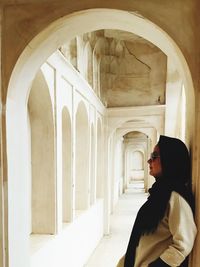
74 242
73 245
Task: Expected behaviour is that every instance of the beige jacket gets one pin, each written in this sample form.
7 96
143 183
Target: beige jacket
174 238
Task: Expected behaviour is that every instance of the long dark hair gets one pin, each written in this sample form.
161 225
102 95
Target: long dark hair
176 167
175 162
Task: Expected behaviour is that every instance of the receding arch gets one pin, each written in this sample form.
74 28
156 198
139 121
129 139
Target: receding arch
67 194
82 158
136 148
42 157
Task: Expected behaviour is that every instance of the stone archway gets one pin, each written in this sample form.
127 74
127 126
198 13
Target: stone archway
29 62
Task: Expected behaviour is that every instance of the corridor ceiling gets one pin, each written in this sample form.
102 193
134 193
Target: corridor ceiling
133 71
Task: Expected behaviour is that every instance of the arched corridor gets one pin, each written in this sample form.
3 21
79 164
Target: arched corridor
85 101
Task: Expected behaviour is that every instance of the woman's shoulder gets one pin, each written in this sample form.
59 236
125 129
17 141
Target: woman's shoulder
180 213
175 195
177 199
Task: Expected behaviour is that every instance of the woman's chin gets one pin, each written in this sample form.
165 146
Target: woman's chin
150 173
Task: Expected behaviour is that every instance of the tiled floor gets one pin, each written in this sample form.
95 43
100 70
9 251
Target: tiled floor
112 247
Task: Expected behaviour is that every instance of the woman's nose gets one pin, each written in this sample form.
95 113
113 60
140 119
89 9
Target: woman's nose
148 161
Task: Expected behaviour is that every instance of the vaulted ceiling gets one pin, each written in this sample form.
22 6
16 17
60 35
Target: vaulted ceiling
132 71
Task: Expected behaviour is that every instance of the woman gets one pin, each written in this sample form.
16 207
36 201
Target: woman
164 230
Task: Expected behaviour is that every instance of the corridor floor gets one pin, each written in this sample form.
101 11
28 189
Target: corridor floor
112 247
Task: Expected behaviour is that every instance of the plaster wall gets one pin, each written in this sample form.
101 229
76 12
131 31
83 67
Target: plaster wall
71 247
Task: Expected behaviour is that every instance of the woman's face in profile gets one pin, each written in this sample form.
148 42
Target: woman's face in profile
155 168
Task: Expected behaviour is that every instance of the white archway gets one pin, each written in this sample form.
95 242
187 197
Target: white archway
29 62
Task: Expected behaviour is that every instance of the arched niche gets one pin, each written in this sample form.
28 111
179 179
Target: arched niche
99 176
67 184
92 166
82 158
42 157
